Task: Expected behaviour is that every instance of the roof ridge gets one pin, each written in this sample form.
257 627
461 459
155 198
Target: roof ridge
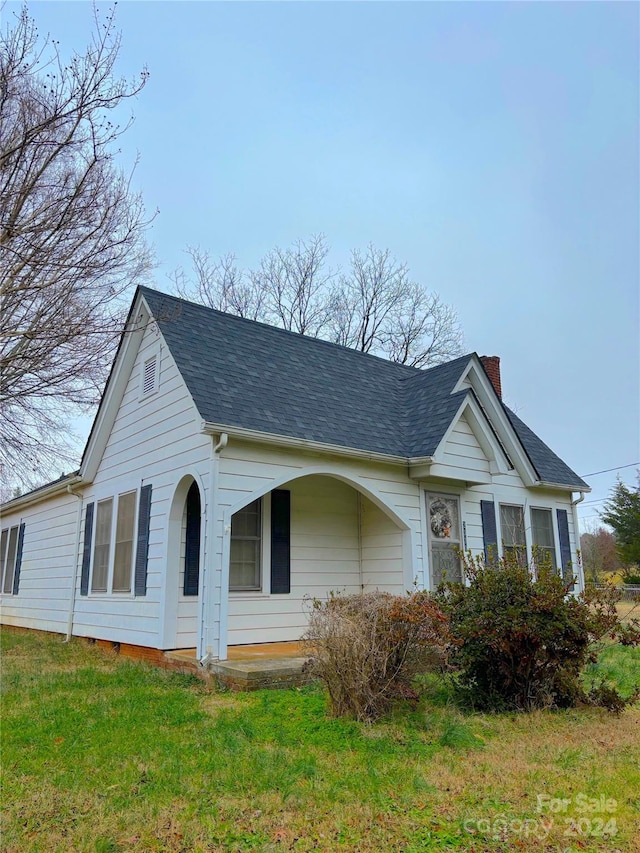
420 371
409 370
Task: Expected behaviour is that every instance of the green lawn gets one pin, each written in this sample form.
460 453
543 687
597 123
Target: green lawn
100 754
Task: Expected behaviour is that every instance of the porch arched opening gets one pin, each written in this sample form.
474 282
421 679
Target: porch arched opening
185 552
344 537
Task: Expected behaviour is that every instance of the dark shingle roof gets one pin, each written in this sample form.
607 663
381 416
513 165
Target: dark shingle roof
550 468
254 376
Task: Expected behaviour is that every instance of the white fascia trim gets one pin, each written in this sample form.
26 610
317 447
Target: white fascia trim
43 494
299 443
114 392
474 376
483 433
562 487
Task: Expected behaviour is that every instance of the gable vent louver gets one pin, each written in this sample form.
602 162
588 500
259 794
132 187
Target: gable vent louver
149 377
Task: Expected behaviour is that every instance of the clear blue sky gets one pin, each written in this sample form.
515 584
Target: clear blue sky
492 146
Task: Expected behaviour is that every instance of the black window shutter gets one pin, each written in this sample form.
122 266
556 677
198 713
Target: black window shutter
86 549
280 541
192 541
489 531
142 545
565 546
16 574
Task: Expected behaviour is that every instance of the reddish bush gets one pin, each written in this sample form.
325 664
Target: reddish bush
367 648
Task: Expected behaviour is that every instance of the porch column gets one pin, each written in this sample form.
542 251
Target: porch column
209 635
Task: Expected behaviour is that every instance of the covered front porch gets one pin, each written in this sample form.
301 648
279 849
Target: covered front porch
244 567
312 537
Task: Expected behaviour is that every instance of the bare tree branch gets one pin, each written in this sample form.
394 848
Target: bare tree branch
375 307
379 309
295 286
220 285
71 236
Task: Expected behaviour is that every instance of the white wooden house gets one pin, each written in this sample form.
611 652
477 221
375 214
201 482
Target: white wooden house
235 470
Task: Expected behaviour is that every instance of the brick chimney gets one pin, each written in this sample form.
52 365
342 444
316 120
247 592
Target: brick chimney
492 366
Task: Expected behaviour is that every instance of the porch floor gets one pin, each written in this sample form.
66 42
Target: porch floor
251 667
272 651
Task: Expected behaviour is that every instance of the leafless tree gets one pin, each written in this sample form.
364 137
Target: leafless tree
295 283
376 307
71 236
219 284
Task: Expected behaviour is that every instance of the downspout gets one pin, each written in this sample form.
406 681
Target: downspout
222 443
205 650
74 582
576 536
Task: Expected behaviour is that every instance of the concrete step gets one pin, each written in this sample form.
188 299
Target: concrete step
260 674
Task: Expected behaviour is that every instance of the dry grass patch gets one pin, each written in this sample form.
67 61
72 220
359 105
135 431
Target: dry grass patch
628 610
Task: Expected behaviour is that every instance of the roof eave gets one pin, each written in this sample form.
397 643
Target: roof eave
300 443
42 494
573 487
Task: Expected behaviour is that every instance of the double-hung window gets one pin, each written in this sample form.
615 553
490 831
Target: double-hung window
112 566
542 535
513 536
246 548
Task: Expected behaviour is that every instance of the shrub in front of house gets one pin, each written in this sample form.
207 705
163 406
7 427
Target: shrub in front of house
367 648
522 641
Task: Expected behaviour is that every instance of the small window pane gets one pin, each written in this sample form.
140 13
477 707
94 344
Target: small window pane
246 522
11 560
124 543
513 537
245 567
443 518
101 548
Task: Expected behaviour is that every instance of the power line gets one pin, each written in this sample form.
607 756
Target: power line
608 470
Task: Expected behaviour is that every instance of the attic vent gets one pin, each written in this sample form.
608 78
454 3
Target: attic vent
149 376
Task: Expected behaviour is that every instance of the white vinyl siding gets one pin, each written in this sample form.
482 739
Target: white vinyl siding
380 549
48 560
463 454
